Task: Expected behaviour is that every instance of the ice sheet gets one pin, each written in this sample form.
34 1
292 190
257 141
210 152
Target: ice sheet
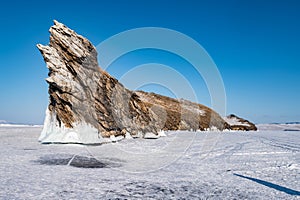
186 165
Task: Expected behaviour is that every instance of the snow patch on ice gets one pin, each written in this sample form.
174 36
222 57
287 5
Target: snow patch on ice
128 136
162 133
213 128
150 135
115 139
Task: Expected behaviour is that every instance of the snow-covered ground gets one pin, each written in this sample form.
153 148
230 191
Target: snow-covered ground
184 165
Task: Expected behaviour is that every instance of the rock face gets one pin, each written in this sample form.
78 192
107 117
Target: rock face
240 124
87 105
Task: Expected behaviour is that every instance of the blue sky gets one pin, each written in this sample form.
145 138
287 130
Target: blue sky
255 45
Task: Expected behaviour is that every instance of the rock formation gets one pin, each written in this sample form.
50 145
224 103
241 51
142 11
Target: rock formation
240 124
87 105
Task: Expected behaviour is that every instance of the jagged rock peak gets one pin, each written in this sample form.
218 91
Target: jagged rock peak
87 105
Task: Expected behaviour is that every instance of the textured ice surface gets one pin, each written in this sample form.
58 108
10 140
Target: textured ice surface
183 165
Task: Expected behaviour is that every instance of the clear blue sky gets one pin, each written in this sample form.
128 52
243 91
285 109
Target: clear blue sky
255 45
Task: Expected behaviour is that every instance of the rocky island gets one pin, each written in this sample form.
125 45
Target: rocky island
87 105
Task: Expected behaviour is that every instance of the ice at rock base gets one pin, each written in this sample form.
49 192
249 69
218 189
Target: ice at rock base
80 133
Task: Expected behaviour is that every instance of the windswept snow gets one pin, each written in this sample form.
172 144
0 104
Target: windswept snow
183 165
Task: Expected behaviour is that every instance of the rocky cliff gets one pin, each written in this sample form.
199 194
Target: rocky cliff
87 105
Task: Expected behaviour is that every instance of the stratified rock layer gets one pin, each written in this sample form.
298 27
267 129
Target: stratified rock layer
87 104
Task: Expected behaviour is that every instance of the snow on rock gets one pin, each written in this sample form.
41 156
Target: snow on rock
237 123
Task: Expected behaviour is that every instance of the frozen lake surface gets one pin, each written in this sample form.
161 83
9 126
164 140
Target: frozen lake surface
184 165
